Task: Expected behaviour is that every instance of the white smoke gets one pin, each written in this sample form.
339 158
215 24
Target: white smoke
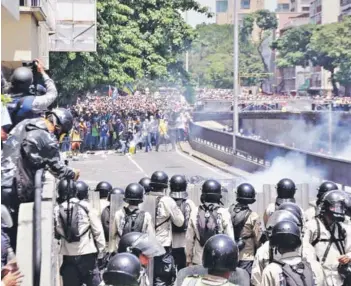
292 166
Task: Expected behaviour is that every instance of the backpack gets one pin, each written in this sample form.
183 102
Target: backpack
71 223
239 217
134 221
105 221
297 275
185 208
207 222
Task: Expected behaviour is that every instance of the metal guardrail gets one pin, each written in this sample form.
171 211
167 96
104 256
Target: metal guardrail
37 248
261 152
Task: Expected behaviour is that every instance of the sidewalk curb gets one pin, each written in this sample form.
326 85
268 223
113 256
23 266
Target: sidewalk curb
223 169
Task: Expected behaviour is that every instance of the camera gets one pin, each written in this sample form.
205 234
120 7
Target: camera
345 272
31 64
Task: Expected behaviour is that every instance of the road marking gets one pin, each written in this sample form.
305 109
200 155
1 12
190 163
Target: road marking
204 165
137 165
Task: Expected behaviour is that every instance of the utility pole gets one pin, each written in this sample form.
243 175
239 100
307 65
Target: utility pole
236 73
186 53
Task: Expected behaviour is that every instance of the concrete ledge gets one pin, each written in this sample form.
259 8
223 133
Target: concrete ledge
49 266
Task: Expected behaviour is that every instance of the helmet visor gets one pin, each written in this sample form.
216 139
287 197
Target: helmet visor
149 246
179 195
337 207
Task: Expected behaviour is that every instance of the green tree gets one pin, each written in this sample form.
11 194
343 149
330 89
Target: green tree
293 46
330 46
135 39
343 76
211 57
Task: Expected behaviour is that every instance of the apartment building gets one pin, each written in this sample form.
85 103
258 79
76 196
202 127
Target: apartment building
345 8
225 9
300 6
323 12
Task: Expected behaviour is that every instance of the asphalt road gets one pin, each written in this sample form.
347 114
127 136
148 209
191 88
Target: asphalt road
120 170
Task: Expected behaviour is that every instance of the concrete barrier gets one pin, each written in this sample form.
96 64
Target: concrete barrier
49 261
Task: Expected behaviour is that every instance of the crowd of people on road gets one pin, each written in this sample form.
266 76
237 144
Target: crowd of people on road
143 121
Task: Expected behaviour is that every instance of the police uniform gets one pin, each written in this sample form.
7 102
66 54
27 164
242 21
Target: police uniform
119 223
262 260
273 274
311 212
178 241
207 280
80 258
193 249
330 265
239 276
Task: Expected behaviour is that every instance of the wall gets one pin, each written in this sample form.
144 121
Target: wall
19 39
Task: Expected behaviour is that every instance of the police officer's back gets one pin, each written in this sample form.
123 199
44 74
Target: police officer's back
286 264
220 257
246 225
79 229
178 186
208 220
331 238
25 102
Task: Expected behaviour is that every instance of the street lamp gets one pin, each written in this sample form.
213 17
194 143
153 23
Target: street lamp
236 73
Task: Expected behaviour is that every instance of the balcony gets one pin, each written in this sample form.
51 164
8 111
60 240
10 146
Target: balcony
295 22
42 10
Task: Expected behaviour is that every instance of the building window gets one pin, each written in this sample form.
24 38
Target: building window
305 9
222 6
245 4
283 7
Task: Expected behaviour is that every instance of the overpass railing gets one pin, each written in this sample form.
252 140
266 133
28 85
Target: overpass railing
336 170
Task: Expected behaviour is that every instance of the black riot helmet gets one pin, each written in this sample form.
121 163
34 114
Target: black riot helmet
286 235
220 253
21 79
140 243
103 188
278 216
325 187
82 190
122 269
286 189
333 203
134 192
115 191
294 209
211 191
245 194
159 181
61 117
66 189
178 185
145 182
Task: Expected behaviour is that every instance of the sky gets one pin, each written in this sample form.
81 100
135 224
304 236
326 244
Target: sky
196 18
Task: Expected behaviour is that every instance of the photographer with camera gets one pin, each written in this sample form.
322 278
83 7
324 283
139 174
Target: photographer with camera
28 98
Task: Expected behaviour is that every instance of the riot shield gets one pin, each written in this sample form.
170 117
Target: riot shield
94 199
194 192
302 196
116 203
228 191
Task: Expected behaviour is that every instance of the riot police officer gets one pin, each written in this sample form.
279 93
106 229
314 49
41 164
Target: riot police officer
131 218
286 265
82 240
82 190
208 220
246 225
220 257
25 103
31 146
104 188
286 190
105 214
178 185
323 188
264 253
145 182
165 212
330 237
123 269
143 246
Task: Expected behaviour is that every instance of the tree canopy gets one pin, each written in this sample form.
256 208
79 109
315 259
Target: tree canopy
135 39
211 57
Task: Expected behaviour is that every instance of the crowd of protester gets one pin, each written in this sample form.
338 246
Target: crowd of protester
139 120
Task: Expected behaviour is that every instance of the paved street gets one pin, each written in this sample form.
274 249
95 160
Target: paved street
121 170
